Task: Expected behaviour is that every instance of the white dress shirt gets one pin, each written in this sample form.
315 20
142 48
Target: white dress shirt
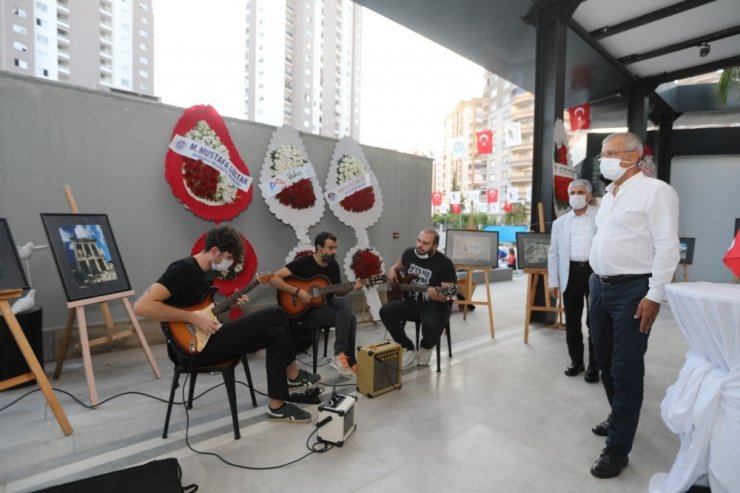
582 231
562 238
637 232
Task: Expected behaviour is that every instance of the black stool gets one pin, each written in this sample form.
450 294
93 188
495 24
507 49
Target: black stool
316 330
449 342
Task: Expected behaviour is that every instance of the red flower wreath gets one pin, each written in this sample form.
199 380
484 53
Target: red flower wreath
360 201
299 195
187 176
302 253
561 190
239 274
365 263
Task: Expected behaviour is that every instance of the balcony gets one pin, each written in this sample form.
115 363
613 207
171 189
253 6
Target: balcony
520 178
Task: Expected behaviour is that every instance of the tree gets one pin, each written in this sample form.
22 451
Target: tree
729 83
519 215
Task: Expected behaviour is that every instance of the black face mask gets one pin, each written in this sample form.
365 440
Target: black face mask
327 257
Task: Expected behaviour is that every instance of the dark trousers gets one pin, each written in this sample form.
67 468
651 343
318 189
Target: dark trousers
576 292
620 352
337 313
432 315
265 329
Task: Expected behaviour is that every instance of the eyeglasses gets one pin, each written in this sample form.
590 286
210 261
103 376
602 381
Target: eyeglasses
611 153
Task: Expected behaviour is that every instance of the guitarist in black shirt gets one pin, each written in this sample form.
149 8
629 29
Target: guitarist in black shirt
431 306
187 281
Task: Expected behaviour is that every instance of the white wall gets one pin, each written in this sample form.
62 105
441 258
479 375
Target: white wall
708 188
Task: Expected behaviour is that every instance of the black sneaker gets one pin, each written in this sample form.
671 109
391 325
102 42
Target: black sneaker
304 379
610 464
288 412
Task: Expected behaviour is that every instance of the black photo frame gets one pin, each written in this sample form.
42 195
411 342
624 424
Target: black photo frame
12 275
686 249
532 250
472 247
86 255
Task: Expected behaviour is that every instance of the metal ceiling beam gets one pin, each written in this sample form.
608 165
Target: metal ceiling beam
705 38
580 31
683 73
653 16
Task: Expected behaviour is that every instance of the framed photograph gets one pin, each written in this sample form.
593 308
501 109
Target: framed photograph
86 255
12 275
470 247
532 250
686 249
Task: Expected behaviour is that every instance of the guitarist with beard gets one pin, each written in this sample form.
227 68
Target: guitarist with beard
337 311
187 281
432 308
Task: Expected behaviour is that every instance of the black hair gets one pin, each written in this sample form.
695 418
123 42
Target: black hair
226 239
322 237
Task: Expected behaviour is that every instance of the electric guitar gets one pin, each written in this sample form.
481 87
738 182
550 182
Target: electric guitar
187 336
317 288
398 290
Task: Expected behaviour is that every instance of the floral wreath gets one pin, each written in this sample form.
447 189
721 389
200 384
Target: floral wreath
365 262
646 164
300 250
301 203
240 272
563 172
203 190
351 167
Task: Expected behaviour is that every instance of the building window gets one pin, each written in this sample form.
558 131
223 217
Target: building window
41 39
144 74
125 82
20 12
41 22
21 63
143 33
41 7
19 46
142 46
20 29
144 60
144 6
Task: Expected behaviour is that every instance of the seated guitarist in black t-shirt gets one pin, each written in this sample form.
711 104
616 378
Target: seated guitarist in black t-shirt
175 296
432 284
333 310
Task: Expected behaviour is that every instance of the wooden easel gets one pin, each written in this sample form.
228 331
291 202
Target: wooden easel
36 373
77 311
469 269
533 278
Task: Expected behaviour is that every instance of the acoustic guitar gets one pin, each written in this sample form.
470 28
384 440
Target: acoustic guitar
398 290
187 336
317 288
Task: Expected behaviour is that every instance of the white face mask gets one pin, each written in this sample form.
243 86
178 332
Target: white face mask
610 168
577 202
223 265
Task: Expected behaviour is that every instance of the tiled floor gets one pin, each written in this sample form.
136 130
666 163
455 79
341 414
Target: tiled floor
500 417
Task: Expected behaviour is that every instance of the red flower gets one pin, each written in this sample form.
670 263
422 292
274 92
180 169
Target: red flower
200 178
302 253
359 201
561 154
365 263
561 190
299 195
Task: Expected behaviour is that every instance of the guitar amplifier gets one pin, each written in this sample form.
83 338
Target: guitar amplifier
378 368
336 419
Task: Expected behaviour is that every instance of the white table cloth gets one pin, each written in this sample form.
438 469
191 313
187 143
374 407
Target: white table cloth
703 406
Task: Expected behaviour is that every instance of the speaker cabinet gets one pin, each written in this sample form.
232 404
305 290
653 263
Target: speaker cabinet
378 368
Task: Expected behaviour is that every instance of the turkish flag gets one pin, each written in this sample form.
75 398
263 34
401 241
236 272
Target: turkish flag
508 207
492 195
484 138
732 257
580 117
436 199
456 208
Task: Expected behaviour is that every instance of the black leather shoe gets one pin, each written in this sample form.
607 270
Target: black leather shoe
602 429
592 374
610 464
574 369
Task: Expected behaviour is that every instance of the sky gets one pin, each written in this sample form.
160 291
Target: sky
409 84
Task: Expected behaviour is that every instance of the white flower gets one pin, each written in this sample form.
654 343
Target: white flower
226 190
350 167
286 157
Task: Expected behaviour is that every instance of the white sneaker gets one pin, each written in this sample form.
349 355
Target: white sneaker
409 358
340 363
425 355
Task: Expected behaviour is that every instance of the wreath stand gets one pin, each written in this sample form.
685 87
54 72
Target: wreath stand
77 310
469 270
534 277
36 373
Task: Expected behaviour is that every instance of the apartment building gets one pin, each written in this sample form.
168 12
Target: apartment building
90 43
302 65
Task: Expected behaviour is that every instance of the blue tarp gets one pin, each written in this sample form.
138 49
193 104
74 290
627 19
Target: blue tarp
507 234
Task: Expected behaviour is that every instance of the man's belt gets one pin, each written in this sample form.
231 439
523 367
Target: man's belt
610 280
579 264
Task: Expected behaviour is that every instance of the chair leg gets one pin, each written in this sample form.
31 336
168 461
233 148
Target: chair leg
315 346
449 339
249 380
230 384
418 330
439 369
326 340
175 384
193 376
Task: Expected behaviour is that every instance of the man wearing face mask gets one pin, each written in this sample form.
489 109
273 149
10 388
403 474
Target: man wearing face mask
428 268
633 255
568 268
337 312
187 281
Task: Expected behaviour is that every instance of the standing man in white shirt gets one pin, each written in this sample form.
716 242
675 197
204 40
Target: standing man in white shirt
568 270
633 256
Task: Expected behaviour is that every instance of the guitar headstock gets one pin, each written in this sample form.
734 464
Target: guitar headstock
376 279
264 277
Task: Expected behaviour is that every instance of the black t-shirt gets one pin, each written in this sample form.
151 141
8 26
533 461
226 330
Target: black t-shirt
186 282
306 268
432 271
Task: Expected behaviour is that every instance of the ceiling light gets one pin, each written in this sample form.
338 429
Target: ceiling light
704 49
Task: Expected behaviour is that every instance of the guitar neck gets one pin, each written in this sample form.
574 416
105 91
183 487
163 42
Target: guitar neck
334 288
226 304
408 287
